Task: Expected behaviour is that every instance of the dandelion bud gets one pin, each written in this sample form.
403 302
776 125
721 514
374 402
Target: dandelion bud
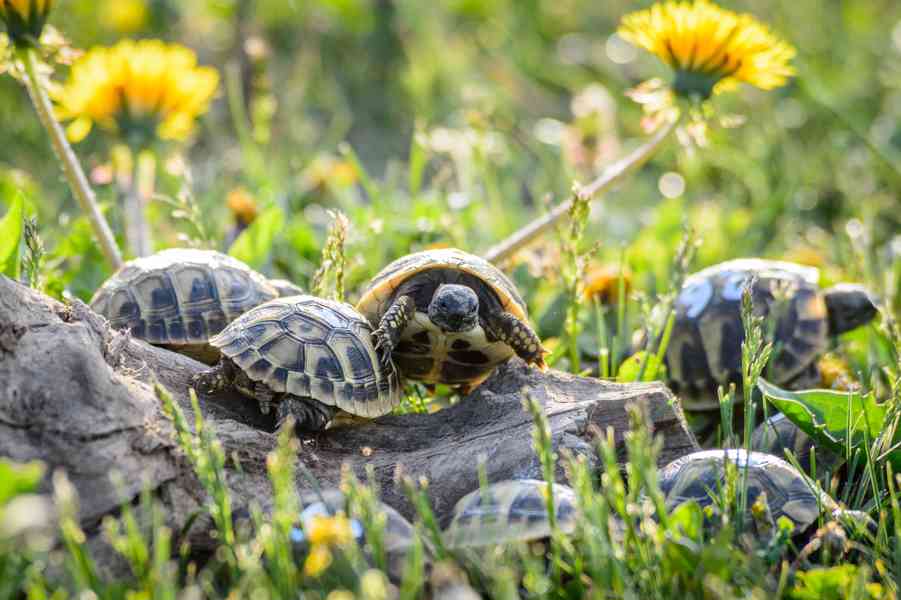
25 19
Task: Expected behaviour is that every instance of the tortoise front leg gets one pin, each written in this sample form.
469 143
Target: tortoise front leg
506 328
308 414
392 325
216 379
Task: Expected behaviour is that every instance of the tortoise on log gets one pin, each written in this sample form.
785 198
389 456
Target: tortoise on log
78 396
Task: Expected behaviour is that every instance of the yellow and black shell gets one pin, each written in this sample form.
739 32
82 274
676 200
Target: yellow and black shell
425 353
704 349
510 511
181 297
312 348
700 474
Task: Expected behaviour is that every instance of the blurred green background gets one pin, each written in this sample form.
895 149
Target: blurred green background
467 116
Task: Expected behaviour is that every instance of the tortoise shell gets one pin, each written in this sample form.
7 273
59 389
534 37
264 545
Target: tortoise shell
778 434
509 511
182 297
312 348
700 474
705 345
426 353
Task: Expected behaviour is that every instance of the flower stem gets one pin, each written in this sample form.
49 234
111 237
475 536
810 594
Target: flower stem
611 176
78 182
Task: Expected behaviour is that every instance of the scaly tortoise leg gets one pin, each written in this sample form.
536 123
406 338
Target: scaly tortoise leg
506 328
392 326
215 379
308 414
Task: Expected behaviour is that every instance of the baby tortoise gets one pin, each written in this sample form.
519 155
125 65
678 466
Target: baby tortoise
509 511
699 475
180 298
450 317
705 346
311 357
778 434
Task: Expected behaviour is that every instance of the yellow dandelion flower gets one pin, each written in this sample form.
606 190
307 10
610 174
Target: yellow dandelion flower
602 282
329 530
25 19
317 561
141 90
710 48
242 205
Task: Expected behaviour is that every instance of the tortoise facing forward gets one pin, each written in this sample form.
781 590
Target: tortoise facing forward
180 298
449 317
311 357
705 347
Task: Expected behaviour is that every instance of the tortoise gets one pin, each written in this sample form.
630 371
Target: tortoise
446 316
704 350
778 434
397 534
180 298
700 475
312 357
509 511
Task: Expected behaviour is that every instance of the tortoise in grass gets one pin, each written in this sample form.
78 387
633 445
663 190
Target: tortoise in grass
309 356
397 534
701 475
180 298
704 350
778 434
509 511
449 317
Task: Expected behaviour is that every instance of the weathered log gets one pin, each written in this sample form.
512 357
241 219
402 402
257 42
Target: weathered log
79 396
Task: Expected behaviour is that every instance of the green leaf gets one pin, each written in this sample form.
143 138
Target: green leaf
18 478
833 583
630 369
254 245
825 415
11 228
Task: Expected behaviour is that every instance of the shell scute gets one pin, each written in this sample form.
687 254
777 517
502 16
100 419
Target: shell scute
180 296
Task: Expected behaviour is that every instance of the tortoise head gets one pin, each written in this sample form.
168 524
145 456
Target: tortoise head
454 308
849 306
285 288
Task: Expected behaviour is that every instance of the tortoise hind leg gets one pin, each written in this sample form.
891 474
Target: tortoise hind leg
308 414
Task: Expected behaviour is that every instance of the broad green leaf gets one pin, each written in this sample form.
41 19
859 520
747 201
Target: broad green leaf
254 245
18 478
631 368
824 414
10 237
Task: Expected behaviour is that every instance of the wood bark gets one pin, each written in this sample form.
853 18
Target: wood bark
79 397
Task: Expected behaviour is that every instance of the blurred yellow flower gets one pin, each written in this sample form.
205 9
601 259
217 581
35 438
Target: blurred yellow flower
242 205
25 19
332 531
317 561
124 16
140 90
835 374
602 282
710 48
